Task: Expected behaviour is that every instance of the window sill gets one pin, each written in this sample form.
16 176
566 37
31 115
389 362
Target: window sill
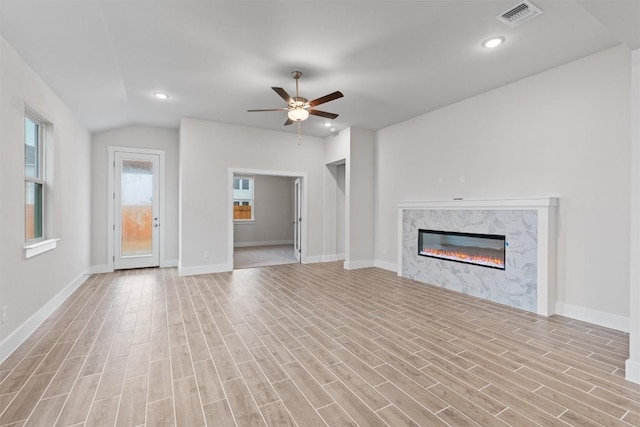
40 247
246 221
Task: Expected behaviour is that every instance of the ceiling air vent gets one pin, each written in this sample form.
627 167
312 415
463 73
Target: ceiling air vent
519 13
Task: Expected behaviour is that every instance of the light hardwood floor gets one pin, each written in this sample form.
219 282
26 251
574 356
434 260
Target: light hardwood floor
308 345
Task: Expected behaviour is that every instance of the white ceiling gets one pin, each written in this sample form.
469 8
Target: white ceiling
393 60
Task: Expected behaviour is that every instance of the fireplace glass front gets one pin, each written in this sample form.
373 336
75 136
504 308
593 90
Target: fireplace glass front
487 250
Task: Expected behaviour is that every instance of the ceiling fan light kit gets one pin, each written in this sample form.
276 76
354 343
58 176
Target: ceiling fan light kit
298 114
299 108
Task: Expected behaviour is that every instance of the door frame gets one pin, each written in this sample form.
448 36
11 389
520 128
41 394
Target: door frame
111 235
297 220
304 199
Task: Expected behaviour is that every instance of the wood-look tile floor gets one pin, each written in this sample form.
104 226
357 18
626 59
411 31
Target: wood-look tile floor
308 345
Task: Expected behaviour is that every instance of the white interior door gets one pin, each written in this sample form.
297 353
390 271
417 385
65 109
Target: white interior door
136 210
297 220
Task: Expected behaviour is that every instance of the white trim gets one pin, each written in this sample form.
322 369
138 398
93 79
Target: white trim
632 371
608 320
204 269
17 337
333 258
98 269
385 265
355 265
230 222
265 243
633 363
40 247
112 149
494 204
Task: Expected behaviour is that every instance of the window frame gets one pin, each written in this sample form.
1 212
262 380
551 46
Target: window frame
245 201
38 180
45 153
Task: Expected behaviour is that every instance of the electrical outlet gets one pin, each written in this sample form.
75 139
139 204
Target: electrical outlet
205 254
5 314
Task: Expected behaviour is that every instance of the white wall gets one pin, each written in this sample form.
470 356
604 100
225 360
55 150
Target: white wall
28 287
565 133
207 151
148 137
273 212
359 194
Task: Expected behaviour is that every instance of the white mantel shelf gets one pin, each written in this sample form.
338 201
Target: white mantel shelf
528 203
546 208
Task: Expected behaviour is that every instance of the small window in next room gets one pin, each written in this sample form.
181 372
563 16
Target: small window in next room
243 199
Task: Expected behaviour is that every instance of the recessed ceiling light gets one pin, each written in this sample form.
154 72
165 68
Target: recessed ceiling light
327 124
160 95
493 42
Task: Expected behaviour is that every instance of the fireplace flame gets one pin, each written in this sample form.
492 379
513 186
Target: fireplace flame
461 256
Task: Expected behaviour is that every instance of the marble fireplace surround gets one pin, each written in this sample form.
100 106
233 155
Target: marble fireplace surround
528 282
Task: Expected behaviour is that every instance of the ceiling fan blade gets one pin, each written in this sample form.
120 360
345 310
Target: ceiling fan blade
270 109
335 95
323 114
288 122
283 94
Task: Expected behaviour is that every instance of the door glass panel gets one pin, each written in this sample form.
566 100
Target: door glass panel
137 207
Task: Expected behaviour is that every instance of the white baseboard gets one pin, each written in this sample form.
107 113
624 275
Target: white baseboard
333 258
13 341
266 243
204 269
97 269
169 263
608 320
391 266
313 259
355 265
632 371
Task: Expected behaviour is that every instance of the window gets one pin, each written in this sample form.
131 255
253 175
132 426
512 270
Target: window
243 199
38 218
34 179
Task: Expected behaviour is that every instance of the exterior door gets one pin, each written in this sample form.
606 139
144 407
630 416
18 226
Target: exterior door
297 220
136 206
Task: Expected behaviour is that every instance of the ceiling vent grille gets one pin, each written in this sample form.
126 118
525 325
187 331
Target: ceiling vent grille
518 14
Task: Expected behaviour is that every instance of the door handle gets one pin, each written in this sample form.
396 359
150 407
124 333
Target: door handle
156 225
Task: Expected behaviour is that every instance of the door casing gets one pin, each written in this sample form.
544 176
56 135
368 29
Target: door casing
111 237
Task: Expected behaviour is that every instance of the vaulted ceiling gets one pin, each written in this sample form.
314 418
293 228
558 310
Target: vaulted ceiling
393 60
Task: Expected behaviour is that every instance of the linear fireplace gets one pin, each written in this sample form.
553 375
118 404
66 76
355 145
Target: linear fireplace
487 250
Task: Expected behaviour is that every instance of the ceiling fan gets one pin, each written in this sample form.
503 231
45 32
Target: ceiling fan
298 108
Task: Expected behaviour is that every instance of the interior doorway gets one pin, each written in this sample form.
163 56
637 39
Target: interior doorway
268 218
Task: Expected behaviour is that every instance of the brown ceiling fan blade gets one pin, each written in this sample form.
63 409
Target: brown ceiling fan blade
270 109
288 122
283 94
335 95
323 114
